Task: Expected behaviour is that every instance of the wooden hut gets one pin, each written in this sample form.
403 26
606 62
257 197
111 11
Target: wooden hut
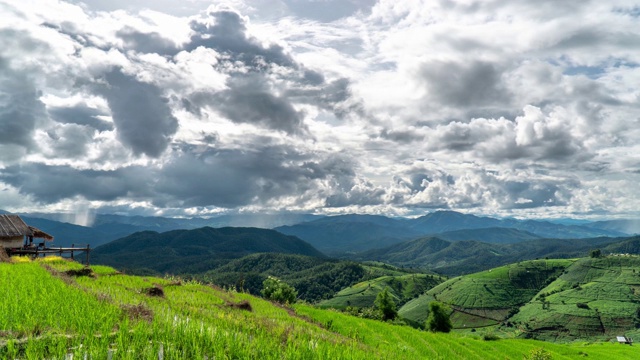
16 234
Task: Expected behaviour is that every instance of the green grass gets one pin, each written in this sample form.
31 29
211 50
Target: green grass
46 314
402 288
607 290
486 298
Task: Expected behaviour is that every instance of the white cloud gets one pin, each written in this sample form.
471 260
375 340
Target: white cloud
389 107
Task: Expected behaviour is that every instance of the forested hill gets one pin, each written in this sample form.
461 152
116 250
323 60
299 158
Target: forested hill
197 250
464 257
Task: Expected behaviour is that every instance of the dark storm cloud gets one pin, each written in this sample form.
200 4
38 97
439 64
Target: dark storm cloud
245 104
147 42
49 184
401 136
80 114
70 141
226 33
232 178
249 100
142 116
524 194
20 107
464 85
216 177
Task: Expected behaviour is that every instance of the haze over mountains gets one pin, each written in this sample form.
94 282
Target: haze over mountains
335 234
362 232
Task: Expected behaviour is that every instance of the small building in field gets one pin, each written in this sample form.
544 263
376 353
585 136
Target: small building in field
16 234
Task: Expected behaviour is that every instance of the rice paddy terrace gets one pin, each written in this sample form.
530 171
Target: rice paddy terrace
56 309
489 297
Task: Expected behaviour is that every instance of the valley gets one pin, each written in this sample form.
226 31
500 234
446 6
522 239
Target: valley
497 283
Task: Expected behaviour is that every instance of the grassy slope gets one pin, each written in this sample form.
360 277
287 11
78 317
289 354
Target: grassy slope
610 288
314 278
194 321
363 294
486 298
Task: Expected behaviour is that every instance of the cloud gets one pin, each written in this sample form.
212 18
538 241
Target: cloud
148 43
143 119
225 31
322 106
464 85
80 114
20 107
50 184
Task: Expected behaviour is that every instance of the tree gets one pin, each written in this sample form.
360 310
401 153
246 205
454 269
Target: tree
386 305
438 320
595 253
276 290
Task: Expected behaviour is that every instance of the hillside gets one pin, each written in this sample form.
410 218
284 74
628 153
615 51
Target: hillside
593 298
315 278
348 233
111 315
401 287
464 257
489 235
197 250
486 298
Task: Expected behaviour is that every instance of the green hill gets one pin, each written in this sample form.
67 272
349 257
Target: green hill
110 315
315 278
194 251
463 257
489 235
593 298
486 298
401 287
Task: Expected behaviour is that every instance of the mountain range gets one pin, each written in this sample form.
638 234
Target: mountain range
196 250
354 233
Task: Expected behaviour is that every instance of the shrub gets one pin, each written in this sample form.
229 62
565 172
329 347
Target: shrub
386 305
538 354
276 290
490 337
582 305
438 320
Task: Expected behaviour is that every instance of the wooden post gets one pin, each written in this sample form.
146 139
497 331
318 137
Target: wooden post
72 251
88 249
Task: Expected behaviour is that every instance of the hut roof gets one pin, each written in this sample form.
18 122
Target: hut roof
13 225
37 233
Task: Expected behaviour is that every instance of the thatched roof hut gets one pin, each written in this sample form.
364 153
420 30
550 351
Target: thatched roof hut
13 231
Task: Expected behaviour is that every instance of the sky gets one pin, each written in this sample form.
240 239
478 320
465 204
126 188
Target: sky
198 108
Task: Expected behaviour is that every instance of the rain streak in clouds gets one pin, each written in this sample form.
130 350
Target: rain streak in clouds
399 108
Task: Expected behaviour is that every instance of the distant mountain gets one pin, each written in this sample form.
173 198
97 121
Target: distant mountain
463 257
162 224
196 250
630 227
445 221
489 235
353 233
66 234
344 233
